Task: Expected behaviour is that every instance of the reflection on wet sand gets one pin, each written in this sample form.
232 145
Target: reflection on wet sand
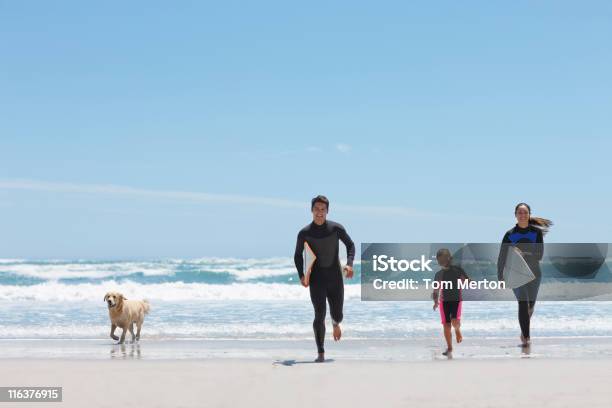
526 350
125 352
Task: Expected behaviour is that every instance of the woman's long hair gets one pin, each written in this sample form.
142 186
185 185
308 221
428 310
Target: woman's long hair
541 223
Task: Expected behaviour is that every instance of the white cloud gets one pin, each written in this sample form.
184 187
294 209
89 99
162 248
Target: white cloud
201 197
343 148
111 189
194 196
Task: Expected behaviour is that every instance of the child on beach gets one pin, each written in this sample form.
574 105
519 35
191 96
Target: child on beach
448 297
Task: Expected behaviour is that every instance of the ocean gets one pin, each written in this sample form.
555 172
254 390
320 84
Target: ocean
242 299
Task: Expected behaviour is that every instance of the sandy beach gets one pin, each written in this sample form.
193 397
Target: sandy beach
196 373
261 383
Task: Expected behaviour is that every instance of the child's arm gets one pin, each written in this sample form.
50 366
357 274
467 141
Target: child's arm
463 275
434 296
436 293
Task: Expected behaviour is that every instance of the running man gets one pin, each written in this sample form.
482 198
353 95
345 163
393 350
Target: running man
325 281
449 297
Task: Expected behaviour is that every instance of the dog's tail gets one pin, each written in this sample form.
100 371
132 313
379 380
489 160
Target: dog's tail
146 305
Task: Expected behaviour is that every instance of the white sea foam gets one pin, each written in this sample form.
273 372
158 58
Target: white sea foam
56 270
240 269
169 291
11 261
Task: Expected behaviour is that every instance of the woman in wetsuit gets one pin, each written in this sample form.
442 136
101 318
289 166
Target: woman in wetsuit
527 235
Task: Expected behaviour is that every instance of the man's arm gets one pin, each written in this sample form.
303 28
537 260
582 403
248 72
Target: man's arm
298 256
348 243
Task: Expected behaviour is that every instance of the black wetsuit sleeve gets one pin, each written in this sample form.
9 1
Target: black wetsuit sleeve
539 246
348 242
298 256
503 253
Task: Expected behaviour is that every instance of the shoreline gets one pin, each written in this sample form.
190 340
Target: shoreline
371 350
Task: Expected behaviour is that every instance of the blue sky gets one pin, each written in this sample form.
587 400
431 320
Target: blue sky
203 129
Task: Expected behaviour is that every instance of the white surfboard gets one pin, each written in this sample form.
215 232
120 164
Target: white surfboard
309 260
516 271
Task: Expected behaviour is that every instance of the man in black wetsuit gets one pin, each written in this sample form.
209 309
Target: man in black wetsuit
325 281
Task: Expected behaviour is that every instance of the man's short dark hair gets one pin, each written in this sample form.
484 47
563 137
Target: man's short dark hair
319 199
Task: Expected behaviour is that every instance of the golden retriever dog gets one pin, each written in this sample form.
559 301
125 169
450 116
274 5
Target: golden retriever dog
125 313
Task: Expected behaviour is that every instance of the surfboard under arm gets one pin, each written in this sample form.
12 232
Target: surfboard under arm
516 270
309 260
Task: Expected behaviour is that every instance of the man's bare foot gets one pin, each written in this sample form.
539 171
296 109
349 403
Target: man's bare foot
337 332
320 358
458 335
448 352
